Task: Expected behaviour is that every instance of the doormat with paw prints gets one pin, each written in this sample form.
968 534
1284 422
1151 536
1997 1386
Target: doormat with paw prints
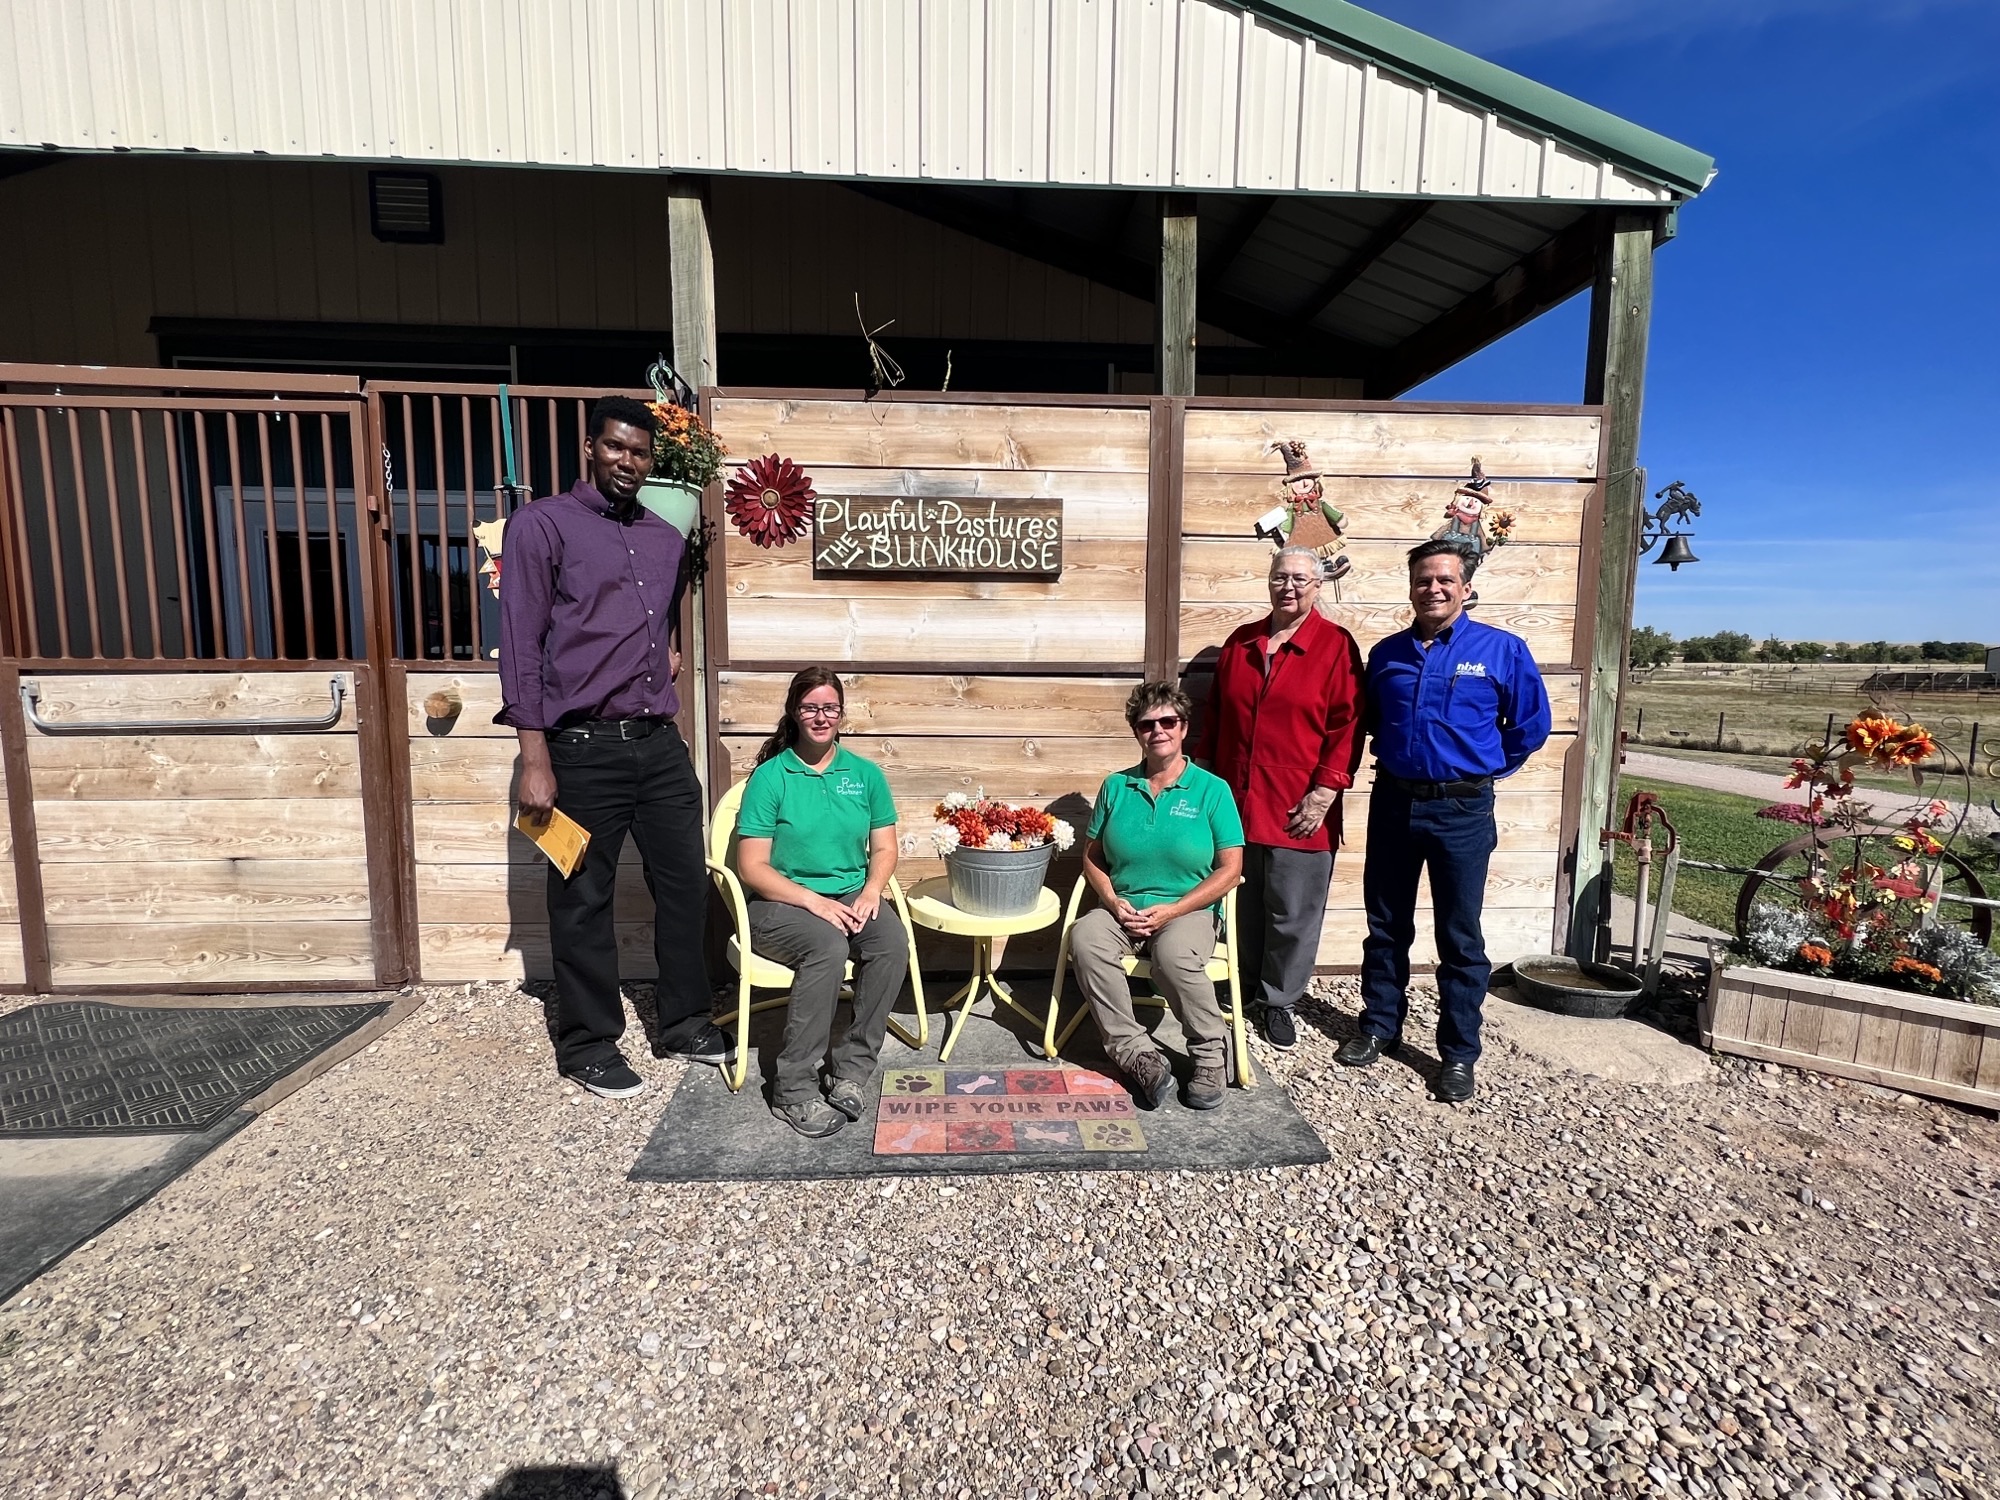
974 1112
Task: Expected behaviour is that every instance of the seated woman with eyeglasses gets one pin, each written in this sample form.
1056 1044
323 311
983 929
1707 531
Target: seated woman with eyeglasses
816 847
1164 846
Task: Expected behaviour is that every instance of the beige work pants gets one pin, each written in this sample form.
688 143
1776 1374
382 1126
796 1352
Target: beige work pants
1179 954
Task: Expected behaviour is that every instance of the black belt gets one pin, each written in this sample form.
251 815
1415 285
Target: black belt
610 729
1430 791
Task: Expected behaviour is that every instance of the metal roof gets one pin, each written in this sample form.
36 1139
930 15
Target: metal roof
1373 203
1304 96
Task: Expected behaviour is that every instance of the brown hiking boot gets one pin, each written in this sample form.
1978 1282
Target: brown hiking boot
1151 1079
1205 1088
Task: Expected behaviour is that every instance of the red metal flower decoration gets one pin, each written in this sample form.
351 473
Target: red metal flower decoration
770 499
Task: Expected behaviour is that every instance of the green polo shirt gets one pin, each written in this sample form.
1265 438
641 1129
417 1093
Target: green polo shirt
1159 849
818 822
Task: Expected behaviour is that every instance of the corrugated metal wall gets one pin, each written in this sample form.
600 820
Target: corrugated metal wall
1128 93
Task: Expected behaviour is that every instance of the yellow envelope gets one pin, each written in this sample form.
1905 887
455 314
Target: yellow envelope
559 836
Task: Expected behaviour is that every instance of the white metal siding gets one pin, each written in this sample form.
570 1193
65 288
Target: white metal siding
1114 93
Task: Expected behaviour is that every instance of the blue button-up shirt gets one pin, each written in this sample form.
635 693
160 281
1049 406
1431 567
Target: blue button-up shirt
588 603
1470 705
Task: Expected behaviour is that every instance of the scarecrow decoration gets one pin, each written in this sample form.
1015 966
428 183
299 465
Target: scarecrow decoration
1306 518
1467 524
1466 521
770 500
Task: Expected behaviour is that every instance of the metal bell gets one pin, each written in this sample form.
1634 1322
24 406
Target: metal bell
1675 553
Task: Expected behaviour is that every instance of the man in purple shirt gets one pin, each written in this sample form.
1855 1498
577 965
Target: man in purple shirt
589 605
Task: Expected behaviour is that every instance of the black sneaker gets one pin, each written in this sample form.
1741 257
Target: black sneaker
1278 1028
707 1043
610 1080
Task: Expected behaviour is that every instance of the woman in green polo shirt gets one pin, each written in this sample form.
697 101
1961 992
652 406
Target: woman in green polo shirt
816 847
1164 846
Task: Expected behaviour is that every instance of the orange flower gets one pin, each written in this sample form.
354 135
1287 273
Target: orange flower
1814 954
1916 969
1912 746
1870 730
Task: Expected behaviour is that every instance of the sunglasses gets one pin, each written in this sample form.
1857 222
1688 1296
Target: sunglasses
1168 722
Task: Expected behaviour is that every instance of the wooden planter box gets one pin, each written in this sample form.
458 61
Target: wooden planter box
1945 1049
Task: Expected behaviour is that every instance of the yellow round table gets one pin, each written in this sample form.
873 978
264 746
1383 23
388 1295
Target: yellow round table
930 906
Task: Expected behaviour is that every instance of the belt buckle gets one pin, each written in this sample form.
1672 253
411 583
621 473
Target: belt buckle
626 727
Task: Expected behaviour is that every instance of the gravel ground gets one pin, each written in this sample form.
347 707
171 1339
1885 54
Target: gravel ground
427 1270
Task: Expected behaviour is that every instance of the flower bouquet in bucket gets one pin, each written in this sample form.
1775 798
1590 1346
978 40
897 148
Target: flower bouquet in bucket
995 853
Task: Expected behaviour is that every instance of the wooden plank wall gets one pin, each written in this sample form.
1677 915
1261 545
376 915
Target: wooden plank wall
1093 458
13 961
1391 473
191 858
482 909
1051 735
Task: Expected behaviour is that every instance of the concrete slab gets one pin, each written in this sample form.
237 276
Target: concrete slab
1621 1051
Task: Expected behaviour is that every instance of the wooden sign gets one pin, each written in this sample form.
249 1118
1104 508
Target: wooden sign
920 534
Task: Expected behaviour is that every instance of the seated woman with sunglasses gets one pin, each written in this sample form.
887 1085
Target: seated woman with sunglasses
1164 846
816 847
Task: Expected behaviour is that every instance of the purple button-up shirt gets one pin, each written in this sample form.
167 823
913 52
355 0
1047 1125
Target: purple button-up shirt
588 605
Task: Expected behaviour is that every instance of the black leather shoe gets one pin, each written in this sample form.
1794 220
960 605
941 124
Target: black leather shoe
1454 1083
1361 1051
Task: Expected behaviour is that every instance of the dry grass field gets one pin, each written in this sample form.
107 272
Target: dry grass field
1768 711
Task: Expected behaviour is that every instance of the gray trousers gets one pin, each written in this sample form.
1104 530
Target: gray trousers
817 952
1279 909
1179 953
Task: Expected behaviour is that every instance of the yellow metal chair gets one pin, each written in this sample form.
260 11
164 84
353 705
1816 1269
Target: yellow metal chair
1221 969
756 972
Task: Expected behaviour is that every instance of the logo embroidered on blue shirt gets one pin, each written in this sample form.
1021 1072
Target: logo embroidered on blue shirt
1471 669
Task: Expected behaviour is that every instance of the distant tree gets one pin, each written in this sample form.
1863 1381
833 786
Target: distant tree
1874 651
1843 651
1807 651
1651 648
1698 648
1903 655
1972 652
1731 645
1774 649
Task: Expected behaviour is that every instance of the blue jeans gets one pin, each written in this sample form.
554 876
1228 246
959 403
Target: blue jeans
1453 837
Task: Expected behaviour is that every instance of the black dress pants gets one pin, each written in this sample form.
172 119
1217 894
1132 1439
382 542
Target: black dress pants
646 787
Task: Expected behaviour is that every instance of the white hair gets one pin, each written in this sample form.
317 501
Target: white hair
1296 551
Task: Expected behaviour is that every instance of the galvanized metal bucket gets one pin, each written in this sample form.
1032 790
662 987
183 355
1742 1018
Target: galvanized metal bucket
997 882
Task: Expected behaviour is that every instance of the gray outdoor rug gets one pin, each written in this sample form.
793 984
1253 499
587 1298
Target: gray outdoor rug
996 1107
82 1067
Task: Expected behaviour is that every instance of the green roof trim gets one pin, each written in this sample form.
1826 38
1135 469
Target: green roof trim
1480 82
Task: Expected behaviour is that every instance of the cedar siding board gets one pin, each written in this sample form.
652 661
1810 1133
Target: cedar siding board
212 858
1943 1049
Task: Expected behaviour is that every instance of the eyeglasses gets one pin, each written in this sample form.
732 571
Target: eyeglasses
1293 582
1168 722
819 710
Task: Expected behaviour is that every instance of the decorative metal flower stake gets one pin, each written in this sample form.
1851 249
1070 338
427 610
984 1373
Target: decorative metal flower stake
770 500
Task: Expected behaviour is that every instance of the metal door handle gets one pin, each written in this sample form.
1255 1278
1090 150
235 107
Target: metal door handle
31 693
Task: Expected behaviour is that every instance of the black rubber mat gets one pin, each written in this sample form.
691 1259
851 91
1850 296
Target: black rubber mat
81 1067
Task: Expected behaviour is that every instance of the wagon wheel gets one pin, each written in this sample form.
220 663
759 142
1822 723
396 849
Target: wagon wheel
1779 872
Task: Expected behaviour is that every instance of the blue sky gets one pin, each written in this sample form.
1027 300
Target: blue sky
1825 363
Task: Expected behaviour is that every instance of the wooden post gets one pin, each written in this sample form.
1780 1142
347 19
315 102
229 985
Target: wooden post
1621 308
1174 301
691 274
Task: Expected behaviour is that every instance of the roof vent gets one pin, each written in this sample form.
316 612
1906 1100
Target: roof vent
406 208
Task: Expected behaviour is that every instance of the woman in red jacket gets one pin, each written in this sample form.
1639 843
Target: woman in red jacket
1282 729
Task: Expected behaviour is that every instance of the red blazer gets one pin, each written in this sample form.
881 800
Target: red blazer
1274 740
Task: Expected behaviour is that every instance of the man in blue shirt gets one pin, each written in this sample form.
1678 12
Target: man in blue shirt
1453 706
